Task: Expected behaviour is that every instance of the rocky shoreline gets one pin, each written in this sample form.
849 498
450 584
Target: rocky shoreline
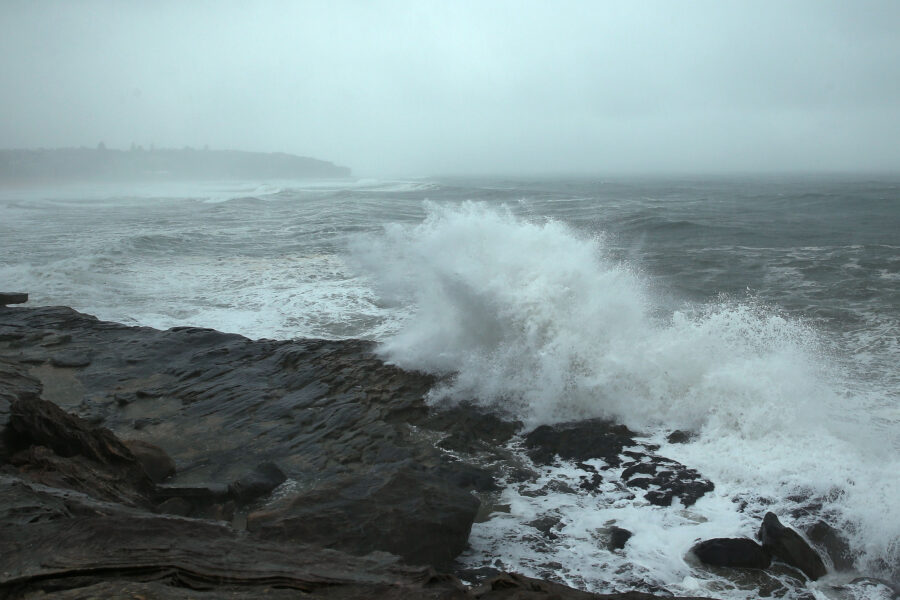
193 463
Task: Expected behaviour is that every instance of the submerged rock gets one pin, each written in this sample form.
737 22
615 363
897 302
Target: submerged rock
618 537
786 544
732 552
666 479
579 441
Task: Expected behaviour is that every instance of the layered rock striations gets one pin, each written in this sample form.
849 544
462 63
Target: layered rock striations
193 463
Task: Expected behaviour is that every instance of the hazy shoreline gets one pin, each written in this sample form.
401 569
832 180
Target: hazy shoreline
91 165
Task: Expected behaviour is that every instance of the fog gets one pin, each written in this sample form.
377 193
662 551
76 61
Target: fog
428 88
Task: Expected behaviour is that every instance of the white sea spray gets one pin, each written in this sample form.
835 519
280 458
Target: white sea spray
535 319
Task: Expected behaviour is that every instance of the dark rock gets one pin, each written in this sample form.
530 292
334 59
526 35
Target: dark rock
877 588
12 298
56 339
79 515
401 510
37 422
158 465
668 479
117 552
15 384
786 545
103 481
70 361
546 524
209 493
477 575
835 545
590 483
258 482
512 586
470 428
61 449
468 477
618 537
222 511
139 424
555 486
579 441
221 404
680 437
175 506
732 552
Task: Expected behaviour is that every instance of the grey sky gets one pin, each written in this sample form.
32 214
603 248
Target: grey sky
418 88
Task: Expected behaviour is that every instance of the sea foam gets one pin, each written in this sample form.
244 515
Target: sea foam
537 320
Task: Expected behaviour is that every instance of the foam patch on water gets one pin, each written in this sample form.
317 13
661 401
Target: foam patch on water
535 319
283 297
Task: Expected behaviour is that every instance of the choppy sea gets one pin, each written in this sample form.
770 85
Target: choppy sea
761 313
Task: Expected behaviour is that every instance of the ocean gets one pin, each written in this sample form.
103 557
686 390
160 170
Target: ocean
761 313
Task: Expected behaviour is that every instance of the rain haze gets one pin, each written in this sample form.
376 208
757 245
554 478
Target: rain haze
597 293
430 88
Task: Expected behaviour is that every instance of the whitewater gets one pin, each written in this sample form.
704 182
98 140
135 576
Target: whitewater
761 315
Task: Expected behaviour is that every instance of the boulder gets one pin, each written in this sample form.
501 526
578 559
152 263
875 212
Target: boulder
788 546
38 422
732 552
837 547
63 449
680 437
257 483
158 465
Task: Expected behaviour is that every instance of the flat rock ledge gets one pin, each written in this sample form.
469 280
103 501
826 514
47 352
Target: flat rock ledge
190 463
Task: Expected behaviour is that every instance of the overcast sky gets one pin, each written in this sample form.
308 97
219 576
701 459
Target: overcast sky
422 88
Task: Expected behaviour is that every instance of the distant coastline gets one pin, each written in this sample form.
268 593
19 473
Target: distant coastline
101 164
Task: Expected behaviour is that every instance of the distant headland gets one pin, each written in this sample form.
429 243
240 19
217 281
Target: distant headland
103 164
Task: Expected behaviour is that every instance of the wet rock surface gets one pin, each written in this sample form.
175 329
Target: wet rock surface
788 546
396 508
300 467
662 479
158 465
594 438
665 480
732 552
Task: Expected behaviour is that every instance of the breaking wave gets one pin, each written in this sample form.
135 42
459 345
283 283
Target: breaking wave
535 319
